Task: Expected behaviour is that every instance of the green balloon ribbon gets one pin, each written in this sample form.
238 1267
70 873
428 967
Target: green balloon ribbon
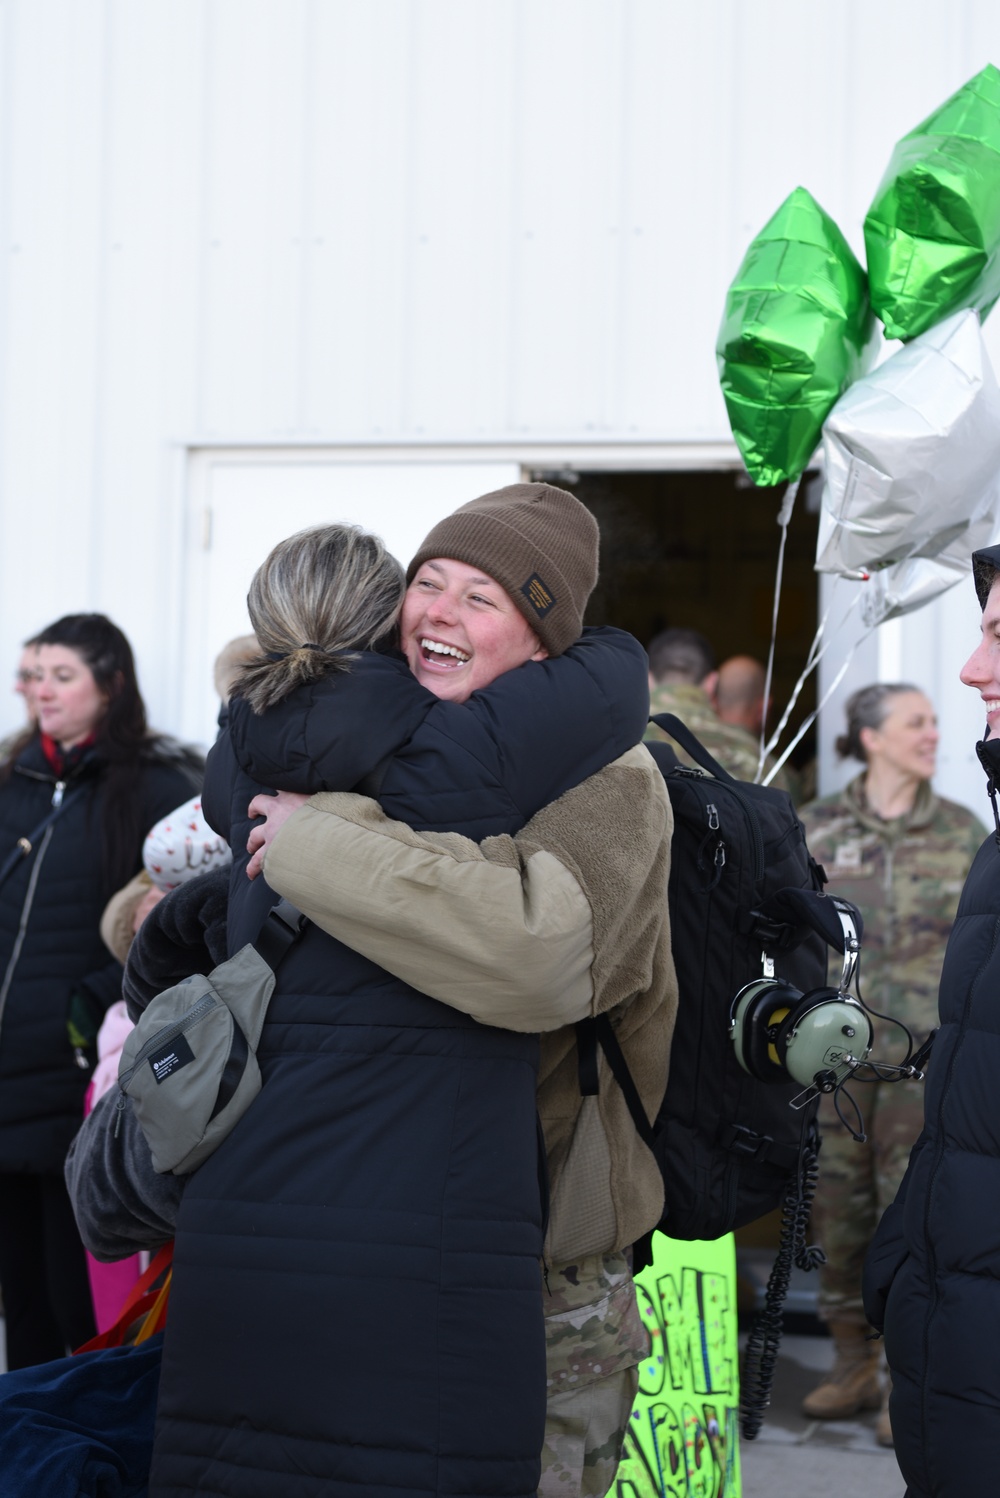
797 329
932 234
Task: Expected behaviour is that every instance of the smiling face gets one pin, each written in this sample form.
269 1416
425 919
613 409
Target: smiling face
982 669
907 739
68 701
460 630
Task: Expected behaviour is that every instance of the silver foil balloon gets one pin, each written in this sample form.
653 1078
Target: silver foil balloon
905 586
911 454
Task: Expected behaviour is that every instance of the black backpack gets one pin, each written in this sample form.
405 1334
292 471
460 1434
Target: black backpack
726 1143
730 1148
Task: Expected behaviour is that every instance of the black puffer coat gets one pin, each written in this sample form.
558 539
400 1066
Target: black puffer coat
932 1277
57 894
357 1293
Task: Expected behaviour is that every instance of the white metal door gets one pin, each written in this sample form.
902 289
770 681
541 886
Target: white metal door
242 504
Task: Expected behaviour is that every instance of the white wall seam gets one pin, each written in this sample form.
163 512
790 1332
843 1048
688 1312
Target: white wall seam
97 556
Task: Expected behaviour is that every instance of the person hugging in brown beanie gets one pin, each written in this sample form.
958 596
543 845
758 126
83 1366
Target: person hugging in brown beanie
498 584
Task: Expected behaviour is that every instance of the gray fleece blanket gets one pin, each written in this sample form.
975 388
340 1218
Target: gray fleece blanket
121 1204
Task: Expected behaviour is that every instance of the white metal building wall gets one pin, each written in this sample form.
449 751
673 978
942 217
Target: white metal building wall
383 221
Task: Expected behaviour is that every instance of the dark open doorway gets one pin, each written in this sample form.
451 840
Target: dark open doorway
700 549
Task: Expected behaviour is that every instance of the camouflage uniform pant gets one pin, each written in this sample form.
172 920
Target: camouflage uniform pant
594 1341
856 1184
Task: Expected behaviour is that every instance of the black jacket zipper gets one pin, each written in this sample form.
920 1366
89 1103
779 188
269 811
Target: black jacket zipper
29 899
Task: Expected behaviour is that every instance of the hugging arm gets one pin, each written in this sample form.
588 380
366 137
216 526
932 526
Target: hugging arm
184 934
492 762
485 765
519 932
121 1204
502 937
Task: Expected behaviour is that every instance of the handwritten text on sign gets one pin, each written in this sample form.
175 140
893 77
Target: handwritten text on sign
682 1440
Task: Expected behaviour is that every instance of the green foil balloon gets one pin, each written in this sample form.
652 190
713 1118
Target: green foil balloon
796 331
932 234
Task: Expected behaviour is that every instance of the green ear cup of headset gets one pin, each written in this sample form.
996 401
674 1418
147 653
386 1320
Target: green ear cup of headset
816 1039
780 1033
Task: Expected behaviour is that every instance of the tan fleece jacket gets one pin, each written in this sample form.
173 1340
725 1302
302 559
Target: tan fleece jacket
529 933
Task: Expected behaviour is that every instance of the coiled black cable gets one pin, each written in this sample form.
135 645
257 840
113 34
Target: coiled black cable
765 1335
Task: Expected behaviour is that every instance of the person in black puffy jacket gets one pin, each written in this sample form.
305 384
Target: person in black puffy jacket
77 796
931 1275
357 1296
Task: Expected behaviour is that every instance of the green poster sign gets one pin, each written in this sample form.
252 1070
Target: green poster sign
682 1438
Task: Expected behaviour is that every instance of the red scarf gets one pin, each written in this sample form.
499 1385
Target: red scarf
64 761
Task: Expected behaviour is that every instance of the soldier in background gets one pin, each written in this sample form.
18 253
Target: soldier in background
683 679
901 854
739 694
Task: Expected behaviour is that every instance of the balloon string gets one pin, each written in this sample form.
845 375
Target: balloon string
815 655
811 717
817 649
784 516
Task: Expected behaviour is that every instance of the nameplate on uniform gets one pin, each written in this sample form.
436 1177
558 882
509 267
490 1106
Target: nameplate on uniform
847 863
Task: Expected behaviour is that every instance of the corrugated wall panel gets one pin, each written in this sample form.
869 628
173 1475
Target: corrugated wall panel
286 220
565 214
148 294
253 215
677 167
465 106
53 230
358 165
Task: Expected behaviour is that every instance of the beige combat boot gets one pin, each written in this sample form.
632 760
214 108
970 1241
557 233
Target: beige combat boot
852 1383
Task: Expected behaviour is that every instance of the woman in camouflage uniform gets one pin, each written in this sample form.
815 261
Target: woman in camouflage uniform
901 854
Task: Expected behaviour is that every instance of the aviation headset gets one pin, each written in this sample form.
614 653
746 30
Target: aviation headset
818 1038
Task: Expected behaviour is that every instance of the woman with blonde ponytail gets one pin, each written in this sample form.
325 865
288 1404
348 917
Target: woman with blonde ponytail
319 598
357 1298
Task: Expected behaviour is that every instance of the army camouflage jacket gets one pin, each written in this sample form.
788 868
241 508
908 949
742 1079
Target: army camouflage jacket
905 876
736 750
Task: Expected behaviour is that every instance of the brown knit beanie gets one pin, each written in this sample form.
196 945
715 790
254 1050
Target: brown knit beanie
538 542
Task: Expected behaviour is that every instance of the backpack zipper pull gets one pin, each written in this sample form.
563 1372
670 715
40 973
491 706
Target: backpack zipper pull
712 812
57 793
119 1110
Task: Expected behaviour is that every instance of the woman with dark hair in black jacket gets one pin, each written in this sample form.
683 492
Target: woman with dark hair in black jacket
77 796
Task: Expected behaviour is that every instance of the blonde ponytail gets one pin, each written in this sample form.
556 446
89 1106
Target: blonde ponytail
319 597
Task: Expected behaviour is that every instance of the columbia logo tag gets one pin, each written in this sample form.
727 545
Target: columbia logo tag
538 595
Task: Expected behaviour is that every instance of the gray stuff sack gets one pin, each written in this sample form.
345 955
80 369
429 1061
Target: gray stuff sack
190 1065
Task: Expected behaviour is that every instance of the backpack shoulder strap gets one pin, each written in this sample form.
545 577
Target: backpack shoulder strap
598 1030
281 929
671 724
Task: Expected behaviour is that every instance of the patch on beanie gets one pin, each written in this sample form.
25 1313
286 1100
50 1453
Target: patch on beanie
538 595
